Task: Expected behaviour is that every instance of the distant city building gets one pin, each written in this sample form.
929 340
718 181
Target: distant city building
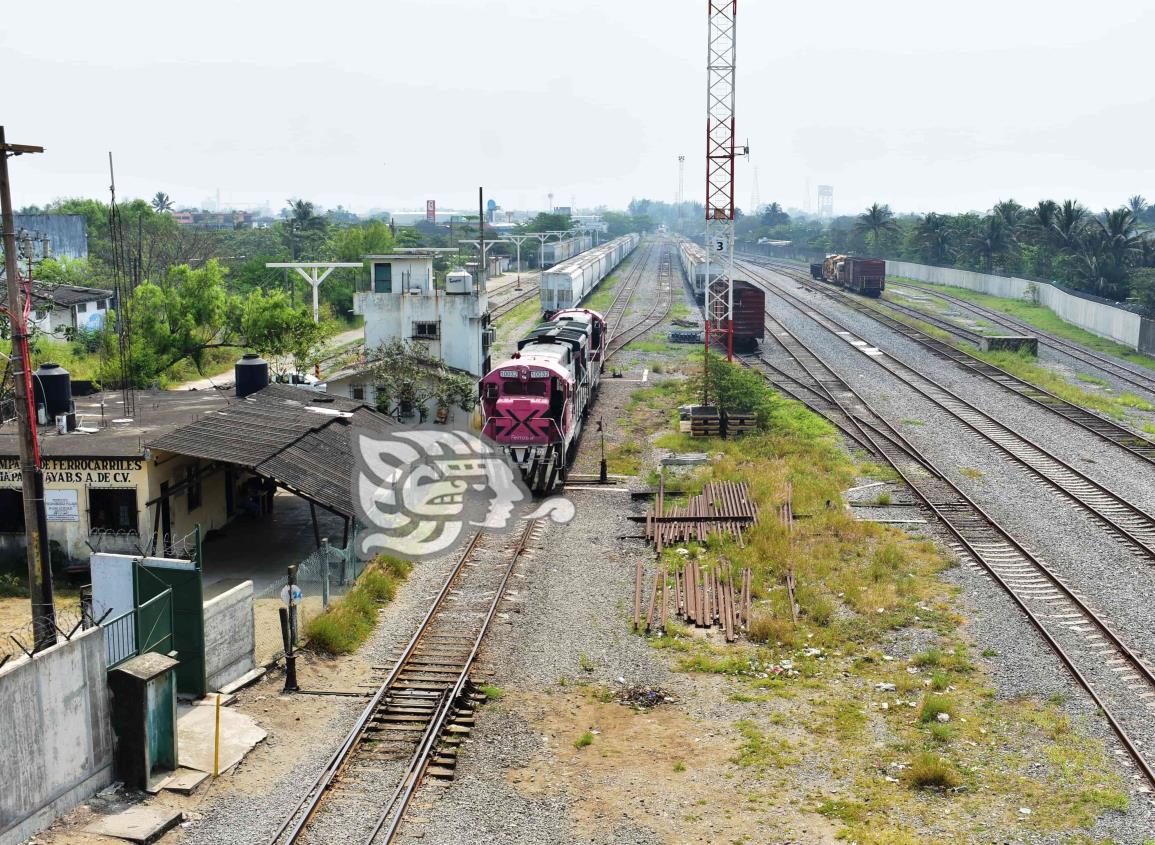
214 219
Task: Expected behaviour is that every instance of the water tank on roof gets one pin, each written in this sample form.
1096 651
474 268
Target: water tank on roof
252 374
458 281
52 387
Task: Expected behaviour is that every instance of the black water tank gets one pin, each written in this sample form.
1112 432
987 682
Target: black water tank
52 387
252 374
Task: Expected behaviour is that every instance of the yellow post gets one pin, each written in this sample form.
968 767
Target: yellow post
217 741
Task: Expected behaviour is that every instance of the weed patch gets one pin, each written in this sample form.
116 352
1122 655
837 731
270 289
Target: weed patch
349 621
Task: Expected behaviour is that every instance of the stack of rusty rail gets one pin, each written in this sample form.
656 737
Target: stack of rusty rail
723 507
702 595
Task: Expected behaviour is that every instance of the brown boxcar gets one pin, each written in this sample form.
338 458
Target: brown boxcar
865 275
749 316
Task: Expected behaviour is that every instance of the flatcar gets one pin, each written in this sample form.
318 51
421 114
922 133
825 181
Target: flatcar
566 284
535 404
866 276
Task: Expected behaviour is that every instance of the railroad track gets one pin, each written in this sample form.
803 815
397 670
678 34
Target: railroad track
664 302
1089 421
417 717
1127 522
1136 376
625 293
508 305
1119 682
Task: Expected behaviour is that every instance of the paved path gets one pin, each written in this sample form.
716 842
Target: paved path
226 377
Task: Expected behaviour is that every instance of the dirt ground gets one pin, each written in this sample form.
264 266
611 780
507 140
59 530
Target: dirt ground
660 766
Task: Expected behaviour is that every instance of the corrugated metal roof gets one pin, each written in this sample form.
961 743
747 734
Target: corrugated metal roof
297 437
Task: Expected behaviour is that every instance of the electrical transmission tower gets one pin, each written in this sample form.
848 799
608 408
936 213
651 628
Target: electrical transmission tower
721 42
826 201
681 195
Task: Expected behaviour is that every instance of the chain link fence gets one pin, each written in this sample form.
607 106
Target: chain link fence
323 577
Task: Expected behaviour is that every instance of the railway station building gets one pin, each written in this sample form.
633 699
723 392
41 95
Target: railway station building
140 484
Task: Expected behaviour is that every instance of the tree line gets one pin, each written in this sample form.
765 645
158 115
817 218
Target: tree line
1110 254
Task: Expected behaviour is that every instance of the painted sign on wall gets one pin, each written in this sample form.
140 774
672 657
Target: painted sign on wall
61 506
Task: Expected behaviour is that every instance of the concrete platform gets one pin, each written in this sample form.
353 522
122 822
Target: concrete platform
196 728
142 823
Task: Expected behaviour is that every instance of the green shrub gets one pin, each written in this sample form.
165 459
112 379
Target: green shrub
585 739
12 586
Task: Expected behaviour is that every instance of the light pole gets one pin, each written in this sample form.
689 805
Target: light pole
31 473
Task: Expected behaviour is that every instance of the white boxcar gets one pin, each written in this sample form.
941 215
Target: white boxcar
558 251
566 284
693 259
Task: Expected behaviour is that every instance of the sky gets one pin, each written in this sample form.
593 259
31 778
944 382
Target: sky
942 106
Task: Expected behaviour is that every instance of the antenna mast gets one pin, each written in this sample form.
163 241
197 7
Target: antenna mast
721 41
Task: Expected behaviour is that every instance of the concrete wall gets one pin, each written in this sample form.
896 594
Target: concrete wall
230 640
1099 318
56 741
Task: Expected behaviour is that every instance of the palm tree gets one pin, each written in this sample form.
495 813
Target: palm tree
934 233
1012 214
1137 205
876 221
1070 222
994 239
161 203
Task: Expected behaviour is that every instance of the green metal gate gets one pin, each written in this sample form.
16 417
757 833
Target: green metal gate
188 620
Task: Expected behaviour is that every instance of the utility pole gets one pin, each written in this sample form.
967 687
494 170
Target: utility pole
31 476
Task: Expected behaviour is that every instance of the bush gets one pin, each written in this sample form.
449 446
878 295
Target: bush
585 739
12 586
349 622
929 771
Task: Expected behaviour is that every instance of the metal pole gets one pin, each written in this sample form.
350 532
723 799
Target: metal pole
31 477
325 573
481 237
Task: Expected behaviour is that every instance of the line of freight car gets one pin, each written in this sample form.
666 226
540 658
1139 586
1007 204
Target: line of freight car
555 252
866 276
566 284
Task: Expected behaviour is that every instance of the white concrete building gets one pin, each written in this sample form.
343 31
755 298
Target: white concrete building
58 308
403 303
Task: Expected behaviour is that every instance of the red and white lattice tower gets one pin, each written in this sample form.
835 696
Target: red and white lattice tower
720 174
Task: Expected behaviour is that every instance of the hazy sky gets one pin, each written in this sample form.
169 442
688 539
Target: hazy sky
924 105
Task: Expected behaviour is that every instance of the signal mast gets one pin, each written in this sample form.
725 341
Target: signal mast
721 41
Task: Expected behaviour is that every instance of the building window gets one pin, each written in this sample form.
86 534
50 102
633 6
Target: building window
383 278
358 391
426 330
102 305
39 315
112 509
81 307
11 512
193 484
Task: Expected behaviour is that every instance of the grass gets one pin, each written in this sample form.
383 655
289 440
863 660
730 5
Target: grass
929 771
491 692
679 767
349 621
935 705
584 740
653 347
1042 318
603 296
858 583
971 472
